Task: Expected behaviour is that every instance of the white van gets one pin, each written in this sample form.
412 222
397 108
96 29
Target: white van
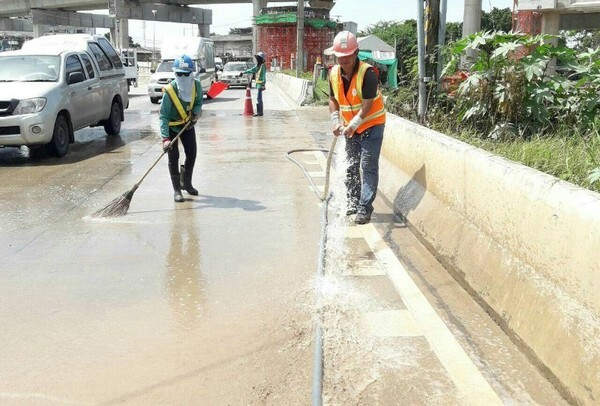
201 50
56 85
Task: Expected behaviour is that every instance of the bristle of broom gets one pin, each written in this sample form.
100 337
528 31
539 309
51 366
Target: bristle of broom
118 207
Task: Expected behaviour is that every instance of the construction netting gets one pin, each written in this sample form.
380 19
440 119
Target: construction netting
291 18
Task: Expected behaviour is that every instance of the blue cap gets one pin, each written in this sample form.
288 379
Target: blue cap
184 64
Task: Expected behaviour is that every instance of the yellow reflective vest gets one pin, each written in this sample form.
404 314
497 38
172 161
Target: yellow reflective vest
183 113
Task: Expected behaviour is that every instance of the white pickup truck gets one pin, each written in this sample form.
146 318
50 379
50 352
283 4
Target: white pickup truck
56 85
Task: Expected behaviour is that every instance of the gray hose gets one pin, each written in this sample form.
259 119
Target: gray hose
317 384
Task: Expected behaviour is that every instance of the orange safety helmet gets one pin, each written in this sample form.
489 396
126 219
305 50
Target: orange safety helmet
344 44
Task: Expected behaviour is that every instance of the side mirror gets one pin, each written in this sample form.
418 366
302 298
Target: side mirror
152 70
75 77
202 70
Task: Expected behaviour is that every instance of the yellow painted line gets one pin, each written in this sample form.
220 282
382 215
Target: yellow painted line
392 323
472 387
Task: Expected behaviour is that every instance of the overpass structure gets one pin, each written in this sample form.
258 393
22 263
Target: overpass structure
44 13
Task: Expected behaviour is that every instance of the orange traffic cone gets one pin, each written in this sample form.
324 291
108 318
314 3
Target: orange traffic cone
248 110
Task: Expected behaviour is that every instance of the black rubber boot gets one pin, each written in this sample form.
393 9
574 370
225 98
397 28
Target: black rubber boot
177 196
186 181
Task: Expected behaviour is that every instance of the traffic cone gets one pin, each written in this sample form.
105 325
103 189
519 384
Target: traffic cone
248 109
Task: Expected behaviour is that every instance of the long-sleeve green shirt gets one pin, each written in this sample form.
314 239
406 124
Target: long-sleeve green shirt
261 80
168 112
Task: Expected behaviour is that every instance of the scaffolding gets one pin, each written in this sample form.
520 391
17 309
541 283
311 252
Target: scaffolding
278 33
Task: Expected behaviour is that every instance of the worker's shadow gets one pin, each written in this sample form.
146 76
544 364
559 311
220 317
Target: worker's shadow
222 202
410 195
183 273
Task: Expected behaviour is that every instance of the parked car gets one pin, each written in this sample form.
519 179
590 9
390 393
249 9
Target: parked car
56 85
201 50
231 74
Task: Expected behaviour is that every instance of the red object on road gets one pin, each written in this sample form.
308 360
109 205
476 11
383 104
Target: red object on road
216 89
248 109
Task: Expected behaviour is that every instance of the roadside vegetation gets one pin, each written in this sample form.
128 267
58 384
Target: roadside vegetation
510 102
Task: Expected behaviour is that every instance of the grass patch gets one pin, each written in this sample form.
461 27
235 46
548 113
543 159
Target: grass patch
568 157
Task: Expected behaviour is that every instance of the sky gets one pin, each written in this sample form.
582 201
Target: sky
363 12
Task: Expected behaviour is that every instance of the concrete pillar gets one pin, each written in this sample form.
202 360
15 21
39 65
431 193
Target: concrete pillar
471 17
39 30
204 30
471 25
257 5
551 25
121 37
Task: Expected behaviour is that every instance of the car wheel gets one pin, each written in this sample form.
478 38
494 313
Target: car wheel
112 126
59 145
154 100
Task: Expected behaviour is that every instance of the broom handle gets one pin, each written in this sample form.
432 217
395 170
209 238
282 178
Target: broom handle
163 153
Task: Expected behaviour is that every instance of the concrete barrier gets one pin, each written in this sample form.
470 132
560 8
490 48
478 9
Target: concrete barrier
526 244
299 91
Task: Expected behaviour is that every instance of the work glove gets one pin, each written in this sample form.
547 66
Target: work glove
166 144
241 74
194 118
337 126
352 126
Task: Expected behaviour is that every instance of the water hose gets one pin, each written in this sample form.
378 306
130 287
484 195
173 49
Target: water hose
317 382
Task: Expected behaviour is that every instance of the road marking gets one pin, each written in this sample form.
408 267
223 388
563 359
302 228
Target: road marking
472 387
319 174
364 267
392 323
320 189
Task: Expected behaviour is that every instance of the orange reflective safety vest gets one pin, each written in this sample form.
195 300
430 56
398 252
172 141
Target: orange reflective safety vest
185 115
351 102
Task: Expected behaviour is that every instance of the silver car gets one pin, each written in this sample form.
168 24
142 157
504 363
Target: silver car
231 74
52 88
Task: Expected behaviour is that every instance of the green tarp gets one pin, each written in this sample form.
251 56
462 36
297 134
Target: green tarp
391 65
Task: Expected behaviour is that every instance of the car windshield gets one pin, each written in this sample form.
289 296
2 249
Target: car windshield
234 66
29 68
165 66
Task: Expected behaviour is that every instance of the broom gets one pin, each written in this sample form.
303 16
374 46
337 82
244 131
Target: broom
120 205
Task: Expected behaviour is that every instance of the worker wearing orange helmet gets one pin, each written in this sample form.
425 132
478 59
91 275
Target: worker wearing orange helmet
358 113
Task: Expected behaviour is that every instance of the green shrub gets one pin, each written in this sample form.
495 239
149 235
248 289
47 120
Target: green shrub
510 92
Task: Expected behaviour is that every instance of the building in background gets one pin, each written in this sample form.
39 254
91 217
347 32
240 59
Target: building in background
237 46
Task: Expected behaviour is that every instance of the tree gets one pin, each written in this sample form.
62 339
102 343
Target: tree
582 40
499 19
453 32
404 35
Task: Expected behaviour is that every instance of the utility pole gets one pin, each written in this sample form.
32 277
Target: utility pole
441 41
421 57
300 40
432 25
154 37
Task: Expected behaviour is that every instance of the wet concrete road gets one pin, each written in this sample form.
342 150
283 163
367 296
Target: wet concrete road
212 301
173 302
